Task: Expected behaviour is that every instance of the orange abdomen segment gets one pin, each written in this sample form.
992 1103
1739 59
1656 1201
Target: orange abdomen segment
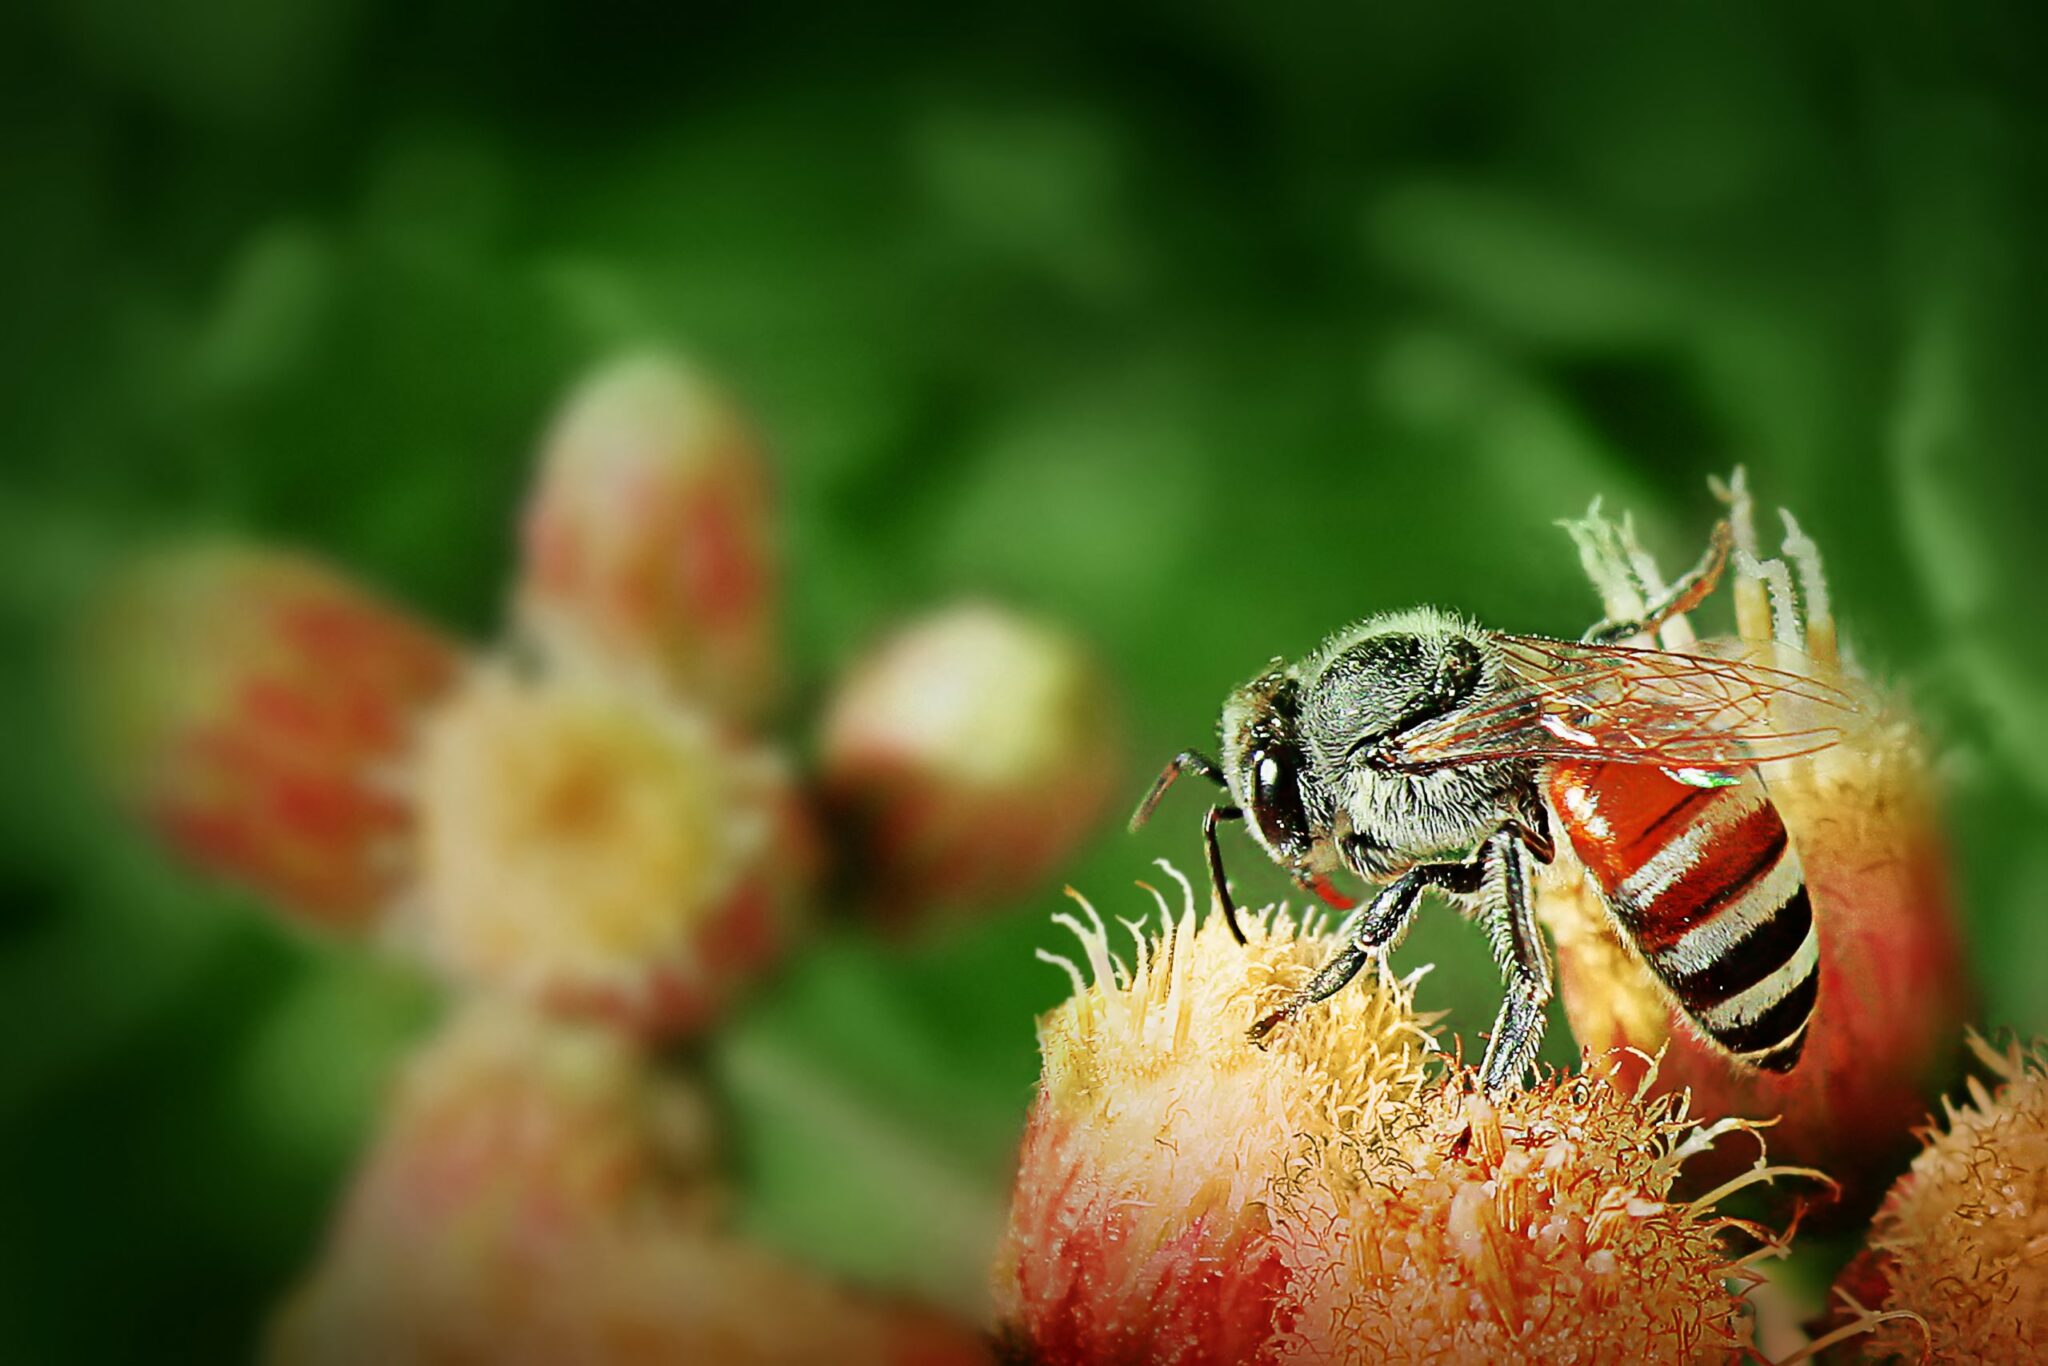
1704 883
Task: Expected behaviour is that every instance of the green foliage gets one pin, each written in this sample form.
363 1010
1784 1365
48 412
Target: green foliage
1204 329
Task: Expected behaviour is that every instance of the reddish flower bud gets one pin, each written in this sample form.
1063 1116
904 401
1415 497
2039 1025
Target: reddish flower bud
1861 817
650 537
540 1194
968 756
598 848
1956 1268
252 706
1185 1196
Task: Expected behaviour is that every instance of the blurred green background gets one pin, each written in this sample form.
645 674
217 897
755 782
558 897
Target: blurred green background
1204 327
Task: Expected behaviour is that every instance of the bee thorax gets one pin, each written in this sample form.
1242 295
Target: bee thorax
1396 819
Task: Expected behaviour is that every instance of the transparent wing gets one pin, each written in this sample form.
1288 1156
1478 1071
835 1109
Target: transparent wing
1716 710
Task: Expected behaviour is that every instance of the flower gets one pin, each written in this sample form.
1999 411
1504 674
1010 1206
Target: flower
1861 816
541 1194
1956 1268
1162 1143
1342 1194
968 755
650 537
252 706
584 834
599 848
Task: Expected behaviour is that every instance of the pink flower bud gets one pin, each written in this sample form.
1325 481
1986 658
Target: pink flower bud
968 756
1861 816
598 848
253 707
650 538
1341 1194
541 1194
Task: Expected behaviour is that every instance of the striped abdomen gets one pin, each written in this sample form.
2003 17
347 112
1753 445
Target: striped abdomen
1704 883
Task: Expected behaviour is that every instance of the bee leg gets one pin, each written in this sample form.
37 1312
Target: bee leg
1219 885
1518 1030
1688 593
1373 929
1183 763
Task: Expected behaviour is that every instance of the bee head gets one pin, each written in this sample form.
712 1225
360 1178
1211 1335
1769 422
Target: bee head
1267 769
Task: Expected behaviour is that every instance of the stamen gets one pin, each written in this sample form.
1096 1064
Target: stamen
1061 961
1770 590
1677 632
1741 508
1605 564
1813 585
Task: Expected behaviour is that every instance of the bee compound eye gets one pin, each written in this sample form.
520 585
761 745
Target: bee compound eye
1277 807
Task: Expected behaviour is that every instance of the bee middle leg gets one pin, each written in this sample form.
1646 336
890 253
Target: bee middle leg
1518 1029
1374 927
1688 593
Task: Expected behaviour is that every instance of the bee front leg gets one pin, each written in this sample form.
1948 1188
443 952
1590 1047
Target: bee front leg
1518 1030
1373 929
1219 884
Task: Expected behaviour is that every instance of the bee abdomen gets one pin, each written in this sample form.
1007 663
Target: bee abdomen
1707 886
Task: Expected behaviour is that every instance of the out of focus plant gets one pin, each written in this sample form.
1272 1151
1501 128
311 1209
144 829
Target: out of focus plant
589 834
540 1194
651 537
255 709
600 848
966 754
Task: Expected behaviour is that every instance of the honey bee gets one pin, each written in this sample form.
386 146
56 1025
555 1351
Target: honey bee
1416 749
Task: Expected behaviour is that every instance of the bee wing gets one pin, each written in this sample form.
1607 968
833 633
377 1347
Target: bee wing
1715 711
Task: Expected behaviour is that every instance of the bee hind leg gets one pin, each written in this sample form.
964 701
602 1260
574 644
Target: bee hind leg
1518 1029
1688 593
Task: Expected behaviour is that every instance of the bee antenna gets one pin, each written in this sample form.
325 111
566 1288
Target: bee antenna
1187 761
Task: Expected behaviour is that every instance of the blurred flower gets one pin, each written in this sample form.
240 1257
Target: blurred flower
1185 1196
651 538
1861 816
252 706
1957 1261
968 756
597 847
540 1194
583 826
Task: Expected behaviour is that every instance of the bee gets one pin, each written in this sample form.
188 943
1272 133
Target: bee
1417 750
